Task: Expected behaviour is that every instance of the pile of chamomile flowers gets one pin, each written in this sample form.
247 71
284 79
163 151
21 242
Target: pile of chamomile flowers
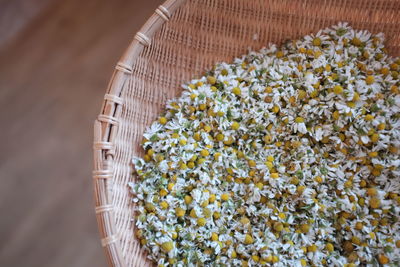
287 157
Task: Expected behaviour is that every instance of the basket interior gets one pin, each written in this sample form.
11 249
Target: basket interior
199 34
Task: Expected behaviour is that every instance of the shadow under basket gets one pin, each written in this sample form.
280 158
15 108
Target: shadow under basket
181 40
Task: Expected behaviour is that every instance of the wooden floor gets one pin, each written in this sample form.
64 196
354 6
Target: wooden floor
56 57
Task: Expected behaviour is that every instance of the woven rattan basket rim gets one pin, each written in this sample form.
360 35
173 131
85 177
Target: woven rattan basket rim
105 128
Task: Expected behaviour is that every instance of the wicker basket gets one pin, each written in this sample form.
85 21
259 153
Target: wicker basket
180 41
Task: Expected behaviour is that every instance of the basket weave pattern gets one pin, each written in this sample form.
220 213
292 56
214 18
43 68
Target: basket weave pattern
181 40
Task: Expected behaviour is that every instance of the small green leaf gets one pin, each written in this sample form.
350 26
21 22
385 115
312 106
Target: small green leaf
154 138
341 31
324 171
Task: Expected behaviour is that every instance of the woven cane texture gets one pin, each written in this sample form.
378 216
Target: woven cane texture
179 42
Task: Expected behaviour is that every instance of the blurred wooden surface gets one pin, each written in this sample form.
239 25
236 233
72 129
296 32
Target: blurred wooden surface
56 57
